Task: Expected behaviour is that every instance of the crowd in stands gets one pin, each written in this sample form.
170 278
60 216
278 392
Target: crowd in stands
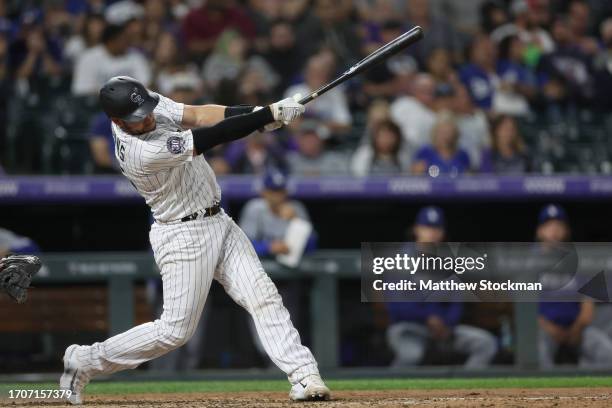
496 86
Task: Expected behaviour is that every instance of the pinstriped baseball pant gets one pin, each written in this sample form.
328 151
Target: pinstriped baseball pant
190 255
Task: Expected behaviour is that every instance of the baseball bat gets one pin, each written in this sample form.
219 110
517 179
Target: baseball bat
386 51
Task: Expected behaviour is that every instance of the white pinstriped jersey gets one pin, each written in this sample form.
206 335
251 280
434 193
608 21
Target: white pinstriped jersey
161 165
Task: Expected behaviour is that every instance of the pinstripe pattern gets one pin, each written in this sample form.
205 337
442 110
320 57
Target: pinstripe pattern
190 255
170 186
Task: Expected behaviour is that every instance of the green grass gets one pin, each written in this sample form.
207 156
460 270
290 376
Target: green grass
122 388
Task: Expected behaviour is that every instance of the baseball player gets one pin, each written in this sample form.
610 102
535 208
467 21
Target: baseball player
159 145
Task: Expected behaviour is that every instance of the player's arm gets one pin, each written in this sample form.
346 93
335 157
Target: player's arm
208 115
241 125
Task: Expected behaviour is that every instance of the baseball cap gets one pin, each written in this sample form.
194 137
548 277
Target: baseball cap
275 180
430 216
552 212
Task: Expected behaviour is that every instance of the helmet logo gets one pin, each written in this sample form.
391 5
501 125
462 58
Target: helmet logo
136 97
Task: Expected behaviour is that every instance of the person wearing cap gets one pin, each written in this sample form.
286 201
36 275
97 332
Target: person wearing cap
566 327
265 219
113 57
160 144
421 326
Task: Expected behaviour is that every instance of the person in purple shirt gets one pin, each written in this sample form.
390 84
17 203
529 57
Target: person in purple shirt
566 326
415 326
102 145
443 155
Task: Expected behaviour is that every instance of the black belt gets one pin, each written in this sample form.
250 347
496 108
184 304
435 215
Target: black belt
209 212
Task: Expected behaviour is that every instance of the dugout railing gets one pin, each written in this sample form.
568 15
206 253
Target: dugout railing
120 271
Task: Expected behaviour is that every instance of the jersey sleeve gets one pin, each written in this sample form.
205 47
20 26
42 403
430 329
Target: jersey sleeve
167 150
170 109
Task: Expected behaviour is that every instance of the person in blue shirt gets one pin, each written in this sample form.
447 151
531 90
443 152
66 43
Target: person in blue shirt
479 75
415 326
443 155
102 145
567 325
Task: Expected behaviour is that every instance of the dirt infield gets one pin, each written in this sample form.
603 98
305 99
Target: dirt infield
553 397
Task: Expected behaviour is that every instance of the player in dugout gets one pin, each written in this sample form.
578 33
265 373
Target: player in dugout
417 326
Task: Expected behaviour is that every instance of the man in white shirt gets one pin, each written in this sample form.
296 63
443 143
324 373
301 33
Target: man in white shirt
414 114
111 58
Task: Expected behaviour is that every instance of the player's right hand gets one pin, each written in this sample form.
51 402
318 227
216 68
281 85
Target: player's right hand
288 109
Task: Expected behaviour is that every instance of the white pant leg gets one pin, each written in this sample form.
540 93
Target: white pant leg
595 349
479 344
547 348
408 340
187 255
242 276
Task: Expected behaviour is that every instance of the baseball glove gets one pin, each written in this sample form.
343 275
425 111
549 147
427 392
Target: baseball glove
16 272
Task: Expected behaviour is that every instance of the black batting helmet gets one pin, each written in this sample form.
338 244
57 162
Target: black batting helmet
127 99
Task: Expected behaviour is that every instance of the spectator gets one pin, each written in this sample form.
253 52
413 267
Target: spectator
393 76
439 66
168 64
530 23
335 30
330 108
418 327
440 33
102 145
517 83
442 156
311 158
156 22
568 78
473 126
492 16
479 74
114 57
203 26
602 67
229 60
265 220
284 55
13 243
463 14
566 326
415 114
255 154
89 37
34 56
508 154
384 154
579 20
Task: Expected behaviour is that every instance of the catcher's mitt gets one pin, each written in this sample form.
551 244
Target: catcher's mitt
16 272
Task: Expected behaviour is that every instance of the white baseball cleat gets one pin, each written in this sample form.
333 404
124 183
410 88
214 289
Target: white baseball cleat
311 388
73 379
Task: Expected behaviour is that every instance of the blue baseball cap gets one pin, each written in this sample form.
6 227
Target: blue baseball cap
275 180
430 216
552 212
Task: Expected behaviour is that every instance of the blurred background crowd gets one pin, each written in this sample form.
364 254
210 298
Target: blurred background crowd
502 86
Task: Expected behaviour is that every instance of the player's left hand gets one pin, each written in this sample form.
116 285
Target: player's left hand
287 110
16 272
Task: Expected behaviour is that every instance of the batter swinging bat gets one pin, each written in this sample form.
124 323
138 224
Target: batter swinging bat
386 51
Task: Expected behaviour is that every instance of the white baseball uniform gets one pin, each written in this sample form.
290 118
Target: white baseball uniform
175 184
